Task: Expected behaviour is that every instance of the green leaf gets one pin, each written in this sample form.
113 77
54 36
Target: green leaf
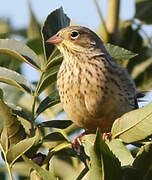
1 118
120 151
15 79
33 30
55 136
2 175
19 51
96 169
10 62
119 53
111 164
61 124
49 101
19 111
143 161
133 126
63 146
46 175
34 175
128 172
143 11
54 22
48 79
21 168
54 60
13 131
144 79
140 68
12 94
131 39
104 164
36 45
20 148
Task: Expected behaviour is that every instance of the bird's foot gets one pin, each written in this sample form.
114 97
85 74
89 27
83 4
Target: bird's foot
106 136
76 144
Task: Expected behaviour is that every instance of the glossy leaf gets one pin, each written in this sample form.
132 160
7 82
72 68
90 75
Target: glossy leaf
61 124
48 79
119 53
54 139
34 175
15 79
19 51
55 136
104 164
42 172
143 160
54 60
13 131
10 62
12 94
134 126
143 11
49 101
131 39
33 30
21 147
144 79
128 172
63 146
120 151
110 163
140 68
21 168
1 124
19 112
97 169
3 175
36 45
54 22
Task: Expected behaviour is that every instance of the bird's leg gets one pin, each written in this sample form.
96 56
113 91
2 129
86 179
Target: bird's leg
106 136
76 144
77 141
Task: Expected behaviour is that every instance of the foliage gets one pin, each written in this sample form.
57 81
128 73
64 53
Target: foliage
35 146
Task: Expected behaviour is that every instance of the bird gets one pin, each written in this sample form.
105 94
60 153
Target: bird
94 89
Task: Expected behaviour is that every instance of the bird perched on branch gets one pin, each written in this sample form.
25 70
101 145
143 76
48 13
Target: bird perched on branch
93 88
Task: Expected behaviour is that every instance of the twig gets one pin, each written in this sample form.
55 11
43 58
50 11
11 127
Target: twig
113 19
83 173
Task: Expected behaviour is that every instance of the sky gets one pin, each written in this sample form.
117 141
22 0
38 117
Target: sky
80 11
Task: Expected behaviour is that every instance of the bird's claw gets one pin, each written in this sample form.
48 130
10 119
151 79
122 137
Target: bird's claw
77 144
106 136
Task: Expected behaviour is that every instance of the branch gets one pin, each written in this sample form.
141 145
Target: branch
113 20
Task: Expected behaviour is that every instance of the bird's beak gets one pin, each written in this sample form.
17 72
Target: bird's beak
56 39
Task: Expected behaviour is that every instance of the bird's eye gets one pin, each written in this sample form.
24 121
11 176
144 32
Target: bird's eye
74 34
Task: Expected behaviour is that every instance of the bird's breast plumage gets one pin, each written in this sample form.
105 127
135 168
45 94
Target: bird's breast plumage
90 93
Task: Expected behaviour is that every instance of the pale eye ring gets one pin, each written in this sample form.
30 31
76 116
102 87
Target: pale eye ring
74 34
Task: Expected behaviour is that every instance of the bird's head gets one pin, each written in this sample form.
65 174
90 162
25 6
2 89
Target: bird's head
76 38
